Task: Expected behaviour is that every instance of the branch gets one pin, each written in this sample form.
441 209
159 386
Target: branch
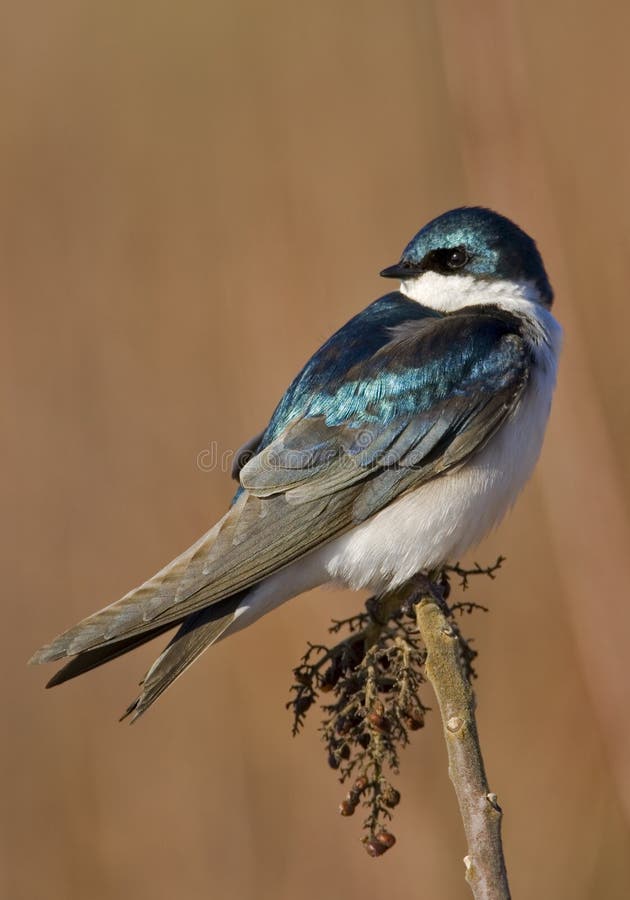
481 814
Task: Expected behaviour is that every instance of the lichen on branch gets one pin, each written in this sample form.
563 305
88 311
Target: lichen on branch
481 814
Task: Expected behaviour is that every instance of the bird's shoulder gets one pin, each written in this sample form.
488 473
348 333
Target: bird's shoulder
397 353
350 346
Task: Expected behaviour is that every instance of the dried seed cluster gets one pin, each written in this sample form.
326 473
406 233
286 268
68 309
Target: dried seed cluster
372 678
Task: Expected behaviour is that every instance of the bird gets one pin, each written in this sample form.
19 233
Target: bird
400 444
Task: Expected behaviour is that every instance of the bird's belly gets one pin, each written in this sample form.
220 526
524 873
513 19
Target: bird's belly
441 519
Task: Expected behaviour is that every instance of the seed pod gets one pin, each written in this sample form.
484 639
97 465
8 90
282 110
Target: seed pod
379 723
347 808
364 740
375 848
360 784
344 753
385 839
413 723
342 726
303 704
391 797
333 762
331 677
302 677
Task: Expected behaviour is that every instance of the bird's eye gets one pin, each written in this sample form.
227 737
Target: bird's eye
446 260
456 258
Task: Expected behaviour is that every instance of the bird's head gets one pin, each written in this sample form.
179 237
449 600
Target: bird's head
465 249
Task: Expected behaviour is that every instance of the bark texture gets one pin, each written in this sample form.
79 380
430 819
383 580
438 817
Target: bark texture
481 814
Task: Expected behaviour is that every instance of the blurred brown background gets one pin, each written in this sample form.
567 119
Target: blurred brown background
192 197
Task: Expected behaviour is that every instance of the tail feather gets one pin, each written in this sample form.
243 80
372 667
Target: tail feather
198 632
133 615
91 659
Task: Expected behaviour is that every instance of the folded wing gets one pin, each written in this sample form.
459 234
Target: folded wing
342 445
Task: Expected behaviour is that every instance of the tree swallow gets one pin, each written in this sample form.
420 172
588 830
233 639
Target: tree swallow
403 440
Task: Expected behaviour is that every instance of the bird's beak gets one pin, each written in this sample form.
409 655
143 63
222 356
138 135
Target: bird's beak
402 270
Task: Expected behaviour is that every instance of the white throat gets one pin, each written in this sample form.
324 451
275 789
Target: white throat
450 292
